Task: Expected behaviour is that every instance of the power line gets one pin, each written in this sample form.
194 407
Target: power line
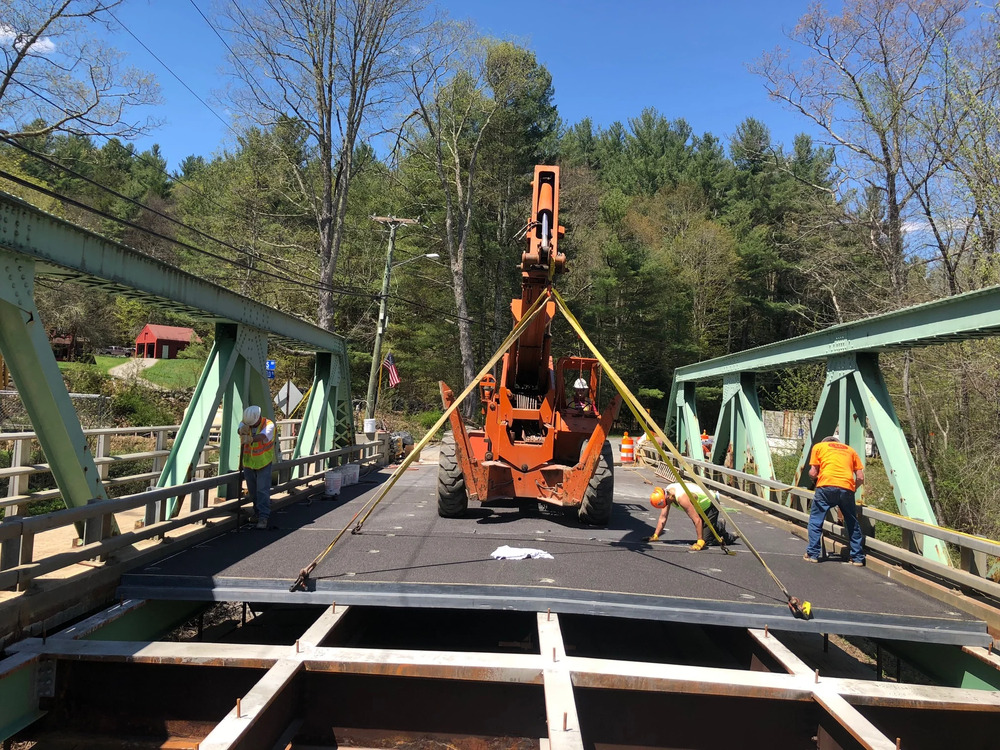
169 70
235 57
180 243
112 191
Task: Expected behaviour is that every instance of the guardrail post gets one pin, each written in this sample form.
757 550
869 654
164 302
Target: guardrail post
103 451
867 524
161 444
155 510
10 549
973 561
18 485
97 528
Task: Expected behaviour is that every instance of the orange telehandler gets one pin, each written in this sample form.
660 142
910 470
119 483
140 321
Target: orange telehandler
538 443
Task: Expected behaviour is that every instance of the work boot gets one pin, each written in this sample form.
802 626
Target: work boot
261 523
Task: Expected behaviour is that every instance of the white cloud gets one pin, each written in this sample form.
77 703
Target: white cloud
43 46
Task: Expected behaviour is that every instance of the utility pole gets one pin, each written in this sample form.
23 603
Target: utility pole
394 224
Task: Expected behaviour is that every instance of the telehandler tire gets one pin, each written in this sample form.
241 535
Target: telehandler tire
453 499
595 508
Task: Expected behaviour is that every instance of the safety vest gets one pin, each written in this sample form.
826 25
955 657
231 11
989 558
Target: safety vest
699 498
259 455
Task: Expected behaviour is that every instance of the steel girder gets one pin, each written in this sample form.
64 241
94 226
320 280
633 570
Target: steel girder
973 315
855 390
26 350
68 252
33 242
742 427
234 376
688 428
323 413
855 395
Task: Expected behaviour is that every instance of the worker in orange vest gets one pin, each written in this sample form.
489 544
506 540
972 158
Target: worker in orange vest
257 444
838 472
706 444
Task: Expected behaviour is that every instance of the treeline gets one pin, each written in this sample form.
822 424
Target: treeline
682 245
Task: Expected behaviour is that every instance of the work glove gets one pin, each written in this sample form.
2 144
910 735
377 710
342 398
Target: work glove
697 546
245 438
244 429
653 538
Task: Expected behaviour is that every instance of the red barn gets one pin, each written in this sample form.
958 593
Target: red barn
163 342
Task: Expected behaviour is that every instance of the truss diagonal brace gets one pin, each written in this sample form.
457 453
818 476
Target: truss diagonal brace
26 349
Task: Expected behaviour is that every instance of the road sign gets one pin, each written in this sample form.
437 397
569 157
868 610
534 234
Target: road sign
288 398
271 365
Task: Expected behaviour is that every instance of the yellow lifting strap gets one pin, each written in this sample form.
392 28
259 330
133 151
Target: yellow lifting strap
530 315
799 609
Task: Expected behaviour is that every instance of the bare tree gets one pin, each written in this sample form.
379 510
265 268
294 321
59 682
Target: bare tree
57 77
866 79
459 87
969 126
336 67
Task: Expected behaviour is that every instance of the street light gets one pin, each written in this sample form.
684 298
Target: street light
394 224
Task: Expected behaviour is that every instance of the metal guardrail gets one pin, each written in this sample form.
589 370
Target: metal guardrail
22 469
972 572
18 566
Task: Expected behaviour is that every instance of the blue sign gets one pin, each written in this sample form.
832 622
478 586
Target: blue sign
270 365
270 374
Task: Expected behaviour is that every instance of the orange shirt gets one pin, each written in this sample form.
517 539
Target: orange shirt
837 463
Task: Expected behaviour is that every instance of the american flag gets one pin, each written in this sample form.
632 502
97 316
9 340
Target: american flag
390 365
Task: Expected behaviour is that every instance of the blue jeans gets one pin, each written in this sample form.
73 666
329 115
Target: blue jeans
259 488
835 497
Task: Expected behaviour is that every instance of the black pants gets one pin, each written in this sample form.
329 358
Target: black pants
713 517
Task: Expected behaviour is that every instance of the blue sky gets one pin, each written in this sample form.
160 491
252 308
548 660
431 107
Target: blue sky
608 60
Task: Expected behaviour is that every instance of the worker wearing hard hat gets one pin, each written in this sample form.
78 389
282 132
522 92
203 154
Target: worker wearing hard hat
673 494
257 445
581 397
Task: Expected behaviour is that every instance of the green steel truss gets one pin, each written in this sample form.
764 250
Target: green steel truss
36 244
853 396
742 427
24 344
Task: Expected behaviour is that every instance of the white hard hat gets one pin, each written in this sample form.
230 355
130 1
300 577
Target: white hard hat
581 383
251 415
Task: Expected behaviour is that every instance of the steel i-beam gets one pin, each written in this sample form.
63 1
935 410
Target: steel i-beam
26 349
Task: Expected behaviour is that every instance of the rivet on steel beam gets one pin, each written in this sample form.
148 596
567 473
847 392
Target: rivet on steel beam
817 676
239 715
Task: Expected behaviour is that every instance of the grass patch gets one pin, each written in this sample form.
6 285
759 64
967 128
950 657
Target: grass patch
101 365
175 373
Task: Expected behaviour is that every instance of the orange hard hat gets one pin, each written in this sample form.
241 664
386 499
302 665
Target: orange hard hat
658 498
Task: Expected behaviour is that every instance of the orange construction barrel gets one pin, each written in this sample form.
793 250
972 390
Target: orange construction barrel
628 449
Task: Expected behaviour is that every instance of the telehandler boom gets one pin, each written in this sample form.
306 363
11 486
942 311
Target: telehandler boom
542 439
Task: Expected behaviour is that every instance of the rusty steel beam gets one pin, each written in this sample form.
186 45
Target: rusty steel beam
186 654
560 702
250 712
324 625
859 727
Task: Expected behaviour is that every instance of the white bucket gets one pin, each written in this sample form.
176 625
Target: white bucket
370 427
351 472
334 481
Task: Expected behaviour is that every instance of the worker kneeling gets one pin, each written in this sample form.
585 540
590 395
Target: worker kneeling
673 494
